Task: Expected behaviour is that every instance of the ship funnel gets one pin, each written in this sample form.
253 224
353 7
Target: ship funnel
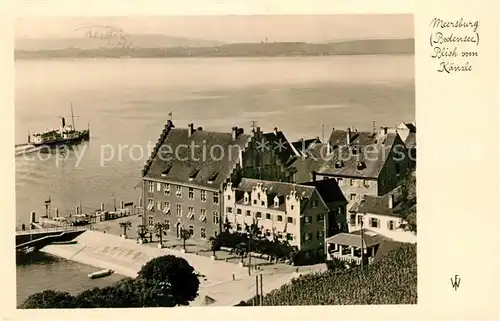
63 122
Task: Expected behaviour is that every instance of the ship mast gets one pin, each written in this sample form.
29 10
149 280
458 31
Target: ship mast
72 117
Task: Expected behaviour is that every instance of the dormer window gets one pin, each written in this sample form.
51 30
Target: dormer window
166 171
212 177
361 165
246 198
193 174
339 164
276 202
354 150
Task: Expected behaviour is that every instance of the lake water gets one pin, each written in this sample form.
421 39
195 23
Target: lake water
127 101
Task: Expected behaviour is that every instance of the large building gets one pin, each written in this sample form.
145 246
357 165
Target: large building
363 163
302 214
184 177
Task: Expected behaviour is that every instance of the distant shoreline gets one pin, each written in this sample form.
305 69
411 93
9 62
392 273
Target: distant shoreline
275 49
214 57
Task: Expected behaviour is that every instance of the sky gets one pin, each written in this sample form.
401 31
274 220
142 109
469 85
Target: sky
307 28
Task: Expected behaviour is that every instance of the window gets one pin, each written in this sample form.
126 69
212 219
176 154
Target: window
215 217
238 227
229 197
374 222
268 232
258 214
166 205
308 237
249 213
351 182
360 219
319 235
280 218
314 203
352 197
307 219
254 202
276 202
203 233
268 216
216 198
320 217
340 210
158 206
246 198
190 214
263 203
158 187
203 196
258 196
179 210
151 221
203 215
178 191
229 209
290 236
238 211
191 193
366 183
340 182
151 187
352 219
167 225
292 207
151 204
191 230
289 220
390 225
390 181
167 189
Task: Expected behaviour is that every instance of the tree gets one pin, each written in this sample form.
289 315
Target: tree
142 231
185 235
48 299
215 244
227 225
241 250
125 225
161 229
175 273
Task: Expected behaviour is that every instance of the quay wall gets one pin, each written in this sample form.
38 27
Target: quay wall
22 238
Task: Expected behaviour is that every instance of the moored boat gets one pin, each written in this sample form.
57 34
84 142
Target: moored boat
100 274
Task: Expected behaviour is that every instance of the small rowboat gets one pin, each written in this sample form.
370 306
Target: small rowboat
100 274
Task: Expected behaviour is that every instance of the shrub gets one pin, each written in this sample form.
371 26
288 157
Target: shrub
392 280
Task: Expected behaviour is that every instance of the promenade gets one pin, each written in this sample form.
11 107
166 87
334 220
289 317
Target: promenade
226 283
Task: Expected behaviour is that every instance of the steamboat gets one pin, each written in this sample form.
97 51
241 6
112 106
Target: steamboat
65 135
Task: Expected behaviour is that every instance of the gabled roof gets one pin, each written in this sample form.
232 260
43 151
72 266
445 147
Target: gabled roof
176 161
302 145
376 205
276 188
354 239
363 157
277 141
411 140
328 189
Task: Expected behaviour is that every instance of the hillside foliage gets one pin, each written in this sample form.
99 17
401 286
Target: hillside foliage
392 280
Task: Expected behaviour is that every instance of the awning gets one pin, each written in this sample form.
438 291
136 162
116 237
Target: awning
166 210
190 215
203 218
151 207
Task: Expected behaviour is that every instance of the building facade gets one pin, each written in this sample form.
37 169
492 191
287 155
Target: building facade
302 214
183 180
379 214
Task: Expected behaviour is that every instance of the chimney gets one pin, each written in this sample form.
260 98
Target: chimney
275 131
391 201
383 130
313 176
190 129
234 132
348 136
